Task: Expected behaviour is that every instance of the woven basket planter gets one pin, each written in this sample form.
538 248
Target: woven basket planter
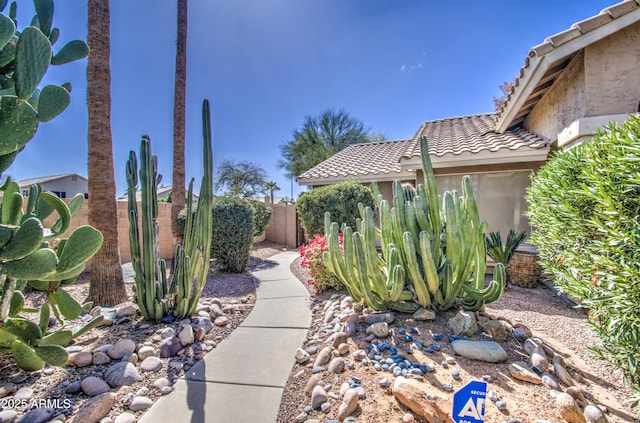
524 269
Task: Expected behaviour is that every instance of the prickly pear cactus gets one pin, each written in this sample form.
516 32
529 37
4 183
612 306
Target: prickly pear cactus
433 250
25 57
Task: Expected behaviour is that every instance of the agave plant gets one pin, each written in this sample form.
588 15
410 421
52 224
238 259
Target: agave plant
502 253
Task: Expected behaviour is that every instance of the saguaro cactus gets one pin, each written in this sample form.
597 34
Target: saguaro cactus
156 297
436 243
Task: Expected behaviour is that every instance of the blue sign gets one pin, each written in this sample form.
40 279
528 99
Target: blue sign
468 402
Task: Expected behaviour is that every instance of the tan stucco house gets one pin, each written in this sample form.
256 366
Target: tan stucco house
571 84
64 186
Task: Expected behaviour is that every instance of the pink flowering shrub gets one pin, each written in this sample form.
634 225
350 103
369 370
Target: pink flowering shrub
311 254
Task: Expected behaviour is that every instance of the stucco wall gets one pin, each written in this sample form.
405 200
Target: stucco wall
562 104
612 73
603 79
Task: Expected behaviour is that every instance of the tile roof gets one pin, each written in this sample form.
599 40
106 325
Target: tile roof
447 138
361 161
537 75
42 179
470 134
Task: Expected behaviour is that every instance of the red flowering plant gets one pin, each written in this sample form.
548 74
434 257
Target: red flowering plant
311 253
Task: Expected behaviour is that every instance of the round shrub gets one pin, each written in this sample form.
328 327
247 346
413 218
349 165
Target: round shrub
341 200
232 235
261 215
584 204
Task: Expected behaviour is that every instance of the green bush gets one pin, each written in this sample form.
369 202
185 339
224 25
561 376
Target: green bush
261 215
584 205
232 236
341 200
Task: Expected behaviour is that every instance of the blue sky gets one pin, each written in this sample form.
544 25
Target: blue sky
264 65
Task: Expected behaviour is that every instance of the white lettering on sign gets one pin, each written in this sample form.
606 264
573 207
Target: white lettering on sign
473 410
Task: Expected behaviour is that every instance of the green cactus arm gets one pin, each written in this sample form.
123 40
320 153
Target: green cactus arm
403 306
350 263
80 330
81 245
17 303
52 101
397 283
6 338
54 355
399 204
44 10
68 307
11 202
25 241
369 297
6 234
33 55
414 271
36 265
70 52
54 35
24 329
429 266
63 221
7 29
376 276
43 322
25 357
34 193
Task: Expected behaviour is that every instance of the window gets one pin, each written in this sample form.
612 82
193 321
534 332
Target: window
60 194
86 195
25 192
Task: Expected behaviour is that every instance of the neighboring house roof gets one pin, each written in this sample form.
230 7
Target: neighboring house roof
473 140
459 141
163 191
366 162
43 179
546 61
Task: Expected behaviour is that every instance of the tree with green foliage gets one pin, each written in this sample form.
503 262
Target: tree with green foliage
319 138
240 179
584 207
271 187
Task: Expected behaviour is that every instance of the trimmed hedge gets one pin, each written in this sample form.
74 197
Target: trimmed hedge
232 235
584 204
341 200
261 215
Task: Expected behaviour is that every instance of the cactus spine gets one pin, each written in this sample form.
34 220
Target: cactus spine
155 297
433 250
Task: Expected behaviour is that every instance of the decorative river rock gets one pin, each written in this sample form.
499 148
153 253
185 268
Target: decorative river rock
488 351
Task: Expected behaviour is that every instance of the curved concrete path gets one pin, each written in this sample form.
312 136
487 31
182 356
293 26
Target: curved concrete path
242 380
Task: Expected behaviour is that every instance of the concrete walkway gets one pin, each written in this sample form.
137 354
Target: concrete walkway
242 380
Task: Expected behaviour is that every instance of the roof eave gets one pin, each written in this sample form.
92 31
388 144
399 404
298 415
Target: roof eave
539 65
481 159
379 177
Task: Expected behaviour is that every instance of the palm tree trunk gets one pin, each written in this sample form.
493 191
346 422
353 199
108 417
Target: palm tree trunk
107 284
178 178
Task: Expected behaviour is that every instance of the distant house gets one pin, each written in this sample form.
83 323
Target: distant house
64 186
571 84
163 193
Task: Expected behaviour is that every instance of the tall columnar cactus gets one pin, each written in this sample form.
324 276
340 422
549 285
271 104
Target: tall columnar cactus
157 298
25 57
26 258
436 244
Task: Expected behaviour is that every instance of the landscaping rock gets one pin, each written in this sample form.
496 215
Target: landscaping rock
343 348
151 364
121 374
497 329
145 352
221 321
569 409
593 414
121 348
126 310
7 388
169 347
379 330
318 396
349 404
339 338
161 383
93 386
323 357
549 381
96 408
100 358
125 418
302 356
73 387
140 403
186 336
311 383
80 359
8 416
411 394
25 393
38 415
519 370
379 317
336 365
488 351
464 324
424 314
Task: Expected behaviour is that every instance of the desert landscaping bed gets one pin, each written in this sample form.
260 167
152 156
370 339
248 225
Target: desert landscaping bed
561 330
